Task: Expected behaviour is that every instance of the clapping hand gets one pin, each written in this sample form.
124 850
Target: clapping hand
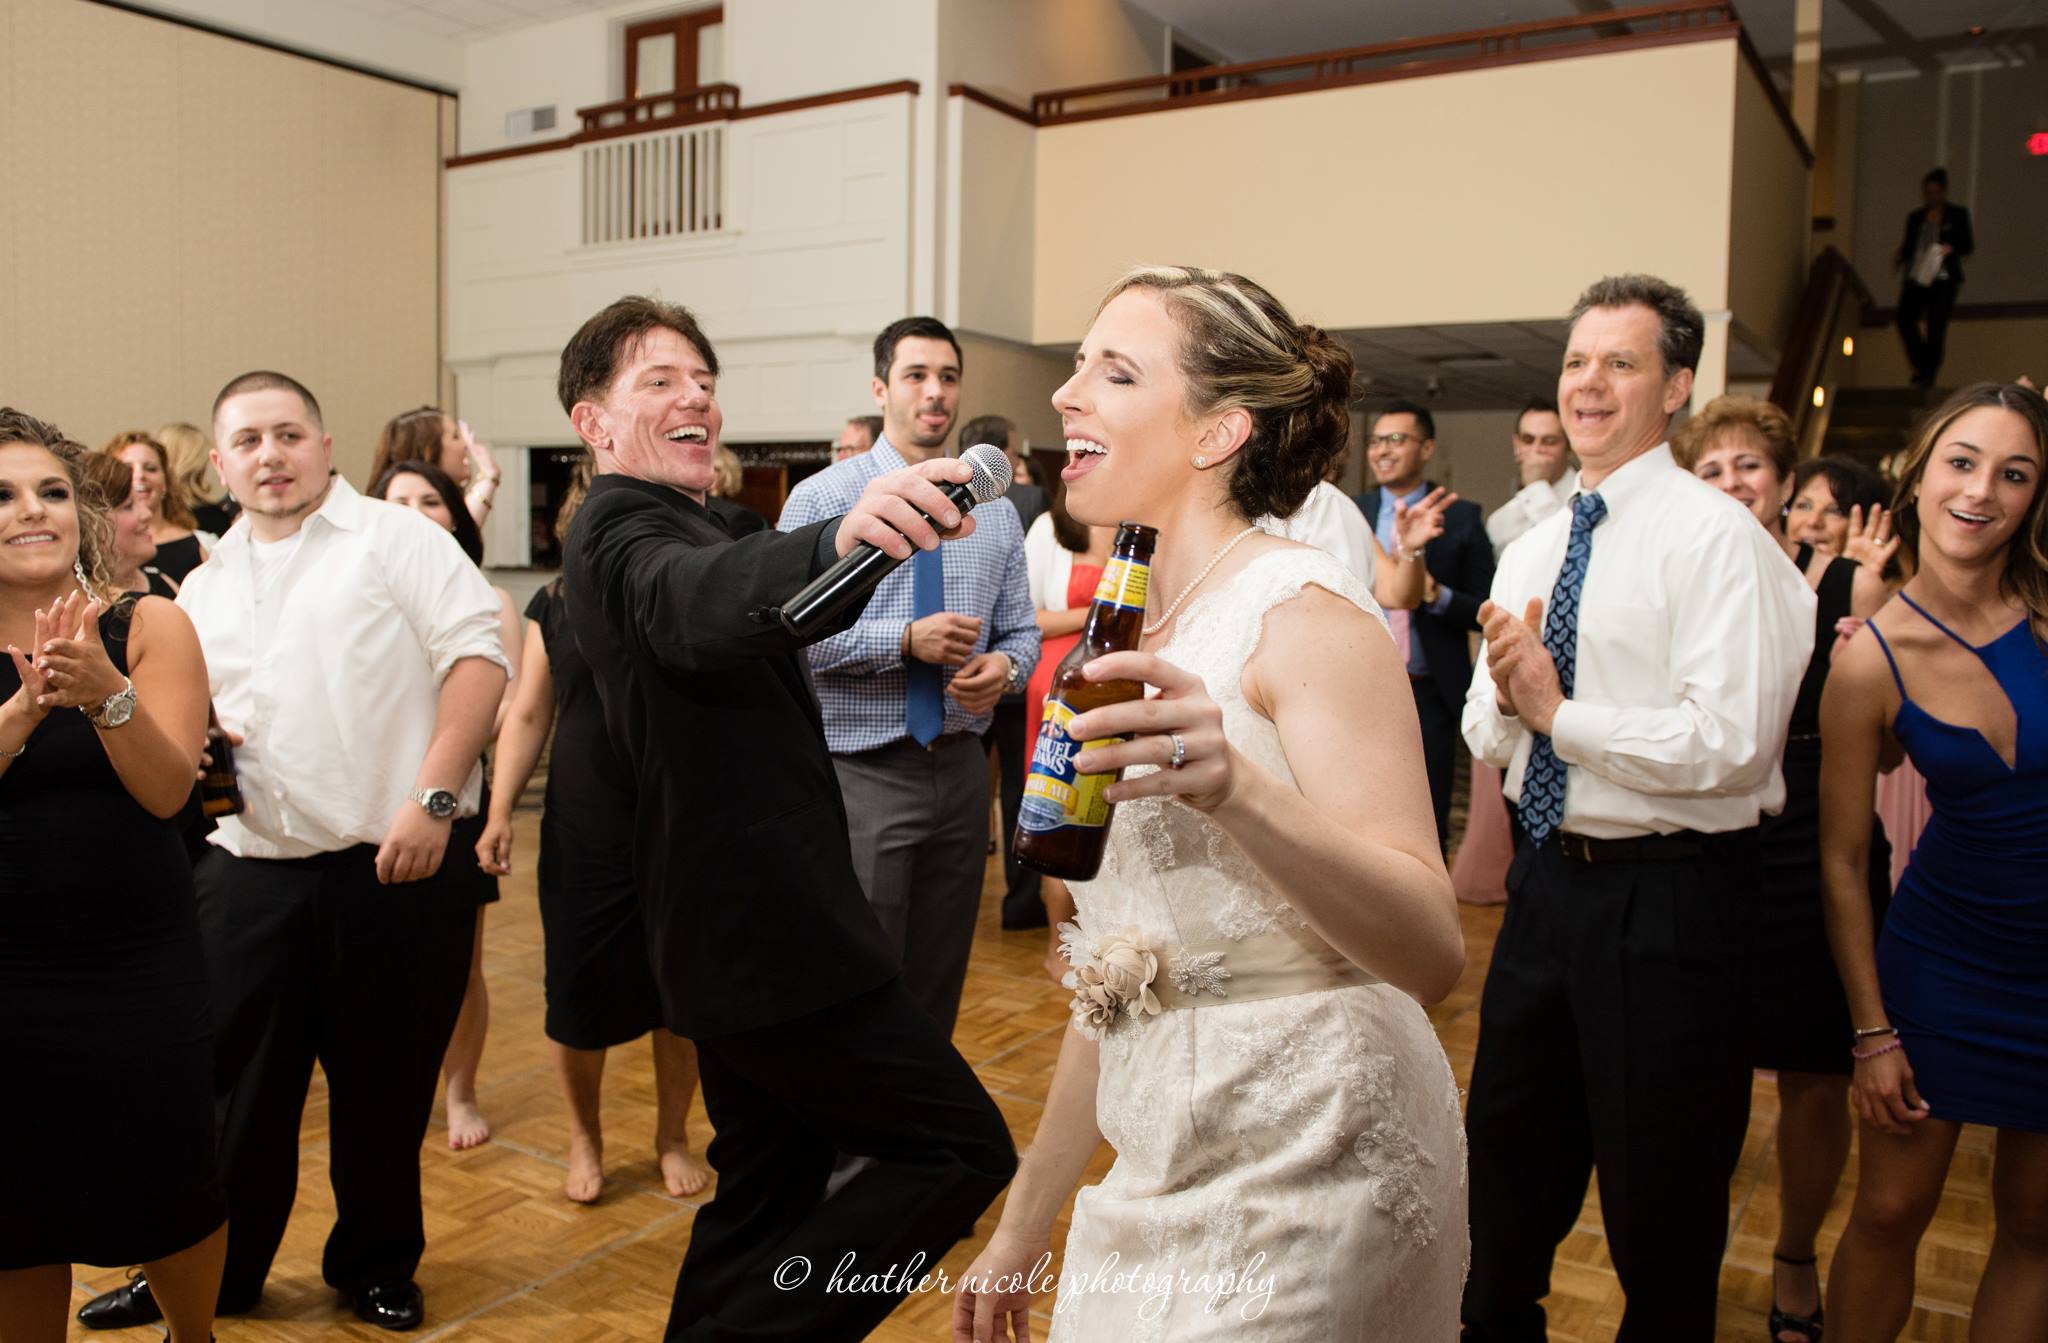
1525 677
1416 527
1871 541
482 466
1182 722
75 670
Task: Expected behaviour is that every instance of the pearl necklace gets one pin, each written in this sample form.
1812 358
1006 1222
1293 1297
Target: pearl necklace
1217 559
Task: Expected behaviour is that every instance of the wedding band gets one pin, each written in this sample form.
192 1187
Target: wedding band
1180 752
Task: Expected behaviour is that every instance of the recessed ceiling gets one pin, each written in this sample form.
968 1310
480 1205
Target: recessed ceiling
462 19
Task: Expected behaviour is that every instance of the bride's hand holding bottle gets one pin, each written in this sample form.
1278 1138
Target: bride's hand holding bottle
1180 730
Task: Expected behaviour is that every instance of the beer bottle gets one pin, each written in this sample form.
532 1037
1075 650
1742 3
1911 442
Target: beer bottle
220 792
1063 824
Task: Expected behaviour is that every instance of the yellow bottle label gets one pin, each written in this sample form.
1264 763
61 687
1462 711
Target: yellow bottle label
1124 584
1057 794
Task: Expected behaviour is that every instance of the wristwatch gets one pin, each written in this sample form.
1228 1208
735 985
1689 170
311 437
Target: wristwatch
1013 683
438 802
116 709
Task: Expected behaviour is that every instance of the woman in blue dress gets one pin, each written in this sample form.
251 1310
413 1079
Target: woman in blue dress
1951 1009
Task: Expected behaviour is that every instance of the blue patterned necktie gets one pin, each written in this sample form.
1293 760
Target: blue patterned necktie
1542 804
924 706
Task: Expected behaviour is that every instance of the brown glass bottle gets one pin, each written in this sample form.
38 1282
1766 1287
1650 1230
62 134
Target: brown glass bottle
220 792
1063 824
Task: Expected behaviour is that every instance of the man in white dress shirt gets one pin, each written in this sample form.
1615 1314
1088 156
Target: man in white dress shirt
1643 650
354 649
1543 460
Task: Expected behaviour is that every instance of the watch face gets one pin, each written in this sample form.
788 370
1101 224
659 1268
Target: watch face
440 804
118 709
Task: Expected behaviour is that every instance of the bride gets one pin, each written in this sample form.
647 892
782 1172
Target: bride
1290 1158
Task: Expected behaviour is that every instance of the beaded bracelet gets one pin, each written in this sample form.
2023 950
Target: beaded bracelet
1860 1055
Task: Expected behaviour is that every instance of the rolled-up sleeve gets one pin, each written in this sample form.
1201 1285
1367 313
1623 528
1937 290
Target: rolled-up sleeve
444 595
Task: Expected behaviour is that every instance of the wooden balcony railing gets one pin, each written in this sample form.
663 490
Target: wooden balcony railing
705 103
1543 39
1830 308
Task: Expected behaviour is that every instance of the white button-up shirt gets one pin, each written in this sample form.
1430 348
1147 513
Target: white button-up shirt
331 669
1694 631
1328 520
1534 502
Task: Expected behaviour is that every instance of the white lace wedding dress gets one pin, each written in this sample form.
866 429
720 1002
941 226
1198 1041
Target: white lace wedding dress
1289 1170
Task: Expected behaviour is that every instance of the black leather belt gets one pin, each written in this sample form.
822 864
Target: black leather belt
1642 849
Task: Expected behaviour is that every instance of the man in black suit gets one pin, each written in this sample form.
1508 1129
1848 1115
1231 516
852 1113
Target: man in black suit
1460 565
763 945
1939 228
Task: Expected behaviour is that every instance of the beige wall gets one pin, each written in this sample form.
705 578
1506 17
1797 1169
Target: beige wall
233 208
1976 351
1478 196
1769 217
1016 381
1014 50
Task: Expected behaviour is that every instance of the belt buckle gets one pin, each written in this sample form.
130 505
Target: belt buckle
1576 847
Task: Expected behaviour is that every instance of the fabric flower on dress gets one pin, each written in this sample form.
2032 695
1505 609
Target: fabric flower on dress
1111 977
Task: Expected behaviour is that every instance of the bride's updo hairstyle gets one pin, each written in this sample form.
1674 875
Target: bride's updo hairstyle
1240 348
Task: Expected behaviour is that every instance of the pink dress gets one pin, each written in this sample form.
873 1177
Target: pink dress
1479 873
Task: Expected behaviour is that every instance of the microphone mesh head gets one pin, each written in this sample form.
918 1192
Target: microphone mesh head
991 471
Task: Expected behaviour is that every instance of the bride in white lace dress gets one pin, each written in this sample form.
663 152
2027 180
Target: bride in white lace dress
1290 1162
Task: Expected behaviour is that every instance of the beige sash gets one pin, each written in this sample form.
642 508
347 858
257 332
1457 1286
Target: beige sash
1271 965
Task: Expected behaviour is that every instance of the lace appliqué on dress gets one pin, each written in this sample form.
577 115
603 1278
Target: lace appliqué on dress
1196 973
1397 1163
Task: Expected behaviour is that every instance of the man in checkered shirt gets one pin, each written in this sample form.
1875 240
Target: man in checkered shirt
908 691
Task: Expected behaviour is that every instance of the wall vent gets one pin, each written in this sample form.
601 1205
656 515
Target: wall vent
529 121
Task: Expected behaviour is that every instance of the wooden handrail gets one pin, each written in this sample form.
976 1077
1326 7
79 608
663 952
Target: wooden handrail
1337 67
734 112
705 100
1832 303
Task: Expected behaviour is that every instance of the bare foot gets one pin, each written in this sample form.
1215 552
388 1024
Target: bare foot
682 1173
585 1180
466 1125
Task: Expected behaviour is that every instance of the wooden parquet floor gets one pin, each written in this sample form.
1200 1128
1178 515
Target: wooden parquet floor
509 1260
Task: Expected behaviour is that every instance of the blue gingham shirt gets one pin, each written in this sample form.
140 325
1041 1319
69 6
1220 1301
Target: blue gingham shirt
860 673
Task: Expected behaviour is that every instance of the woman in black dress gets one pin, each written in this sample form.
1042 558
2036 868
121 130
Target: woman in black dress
99 941
1799 1017
178 551
428 491
131 554
600 988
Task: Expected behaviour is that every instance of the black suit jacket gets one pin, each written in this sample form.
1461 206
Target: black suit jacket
1953 230
754 913
1461 560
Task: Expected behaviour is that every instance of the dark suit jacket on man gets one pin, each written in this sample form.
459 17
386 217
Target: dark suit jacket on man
1461 560
1954 230
754 914
1028 500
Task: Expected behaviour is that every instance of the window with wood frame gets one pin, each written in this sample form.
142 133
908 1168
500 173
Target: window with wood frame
680 52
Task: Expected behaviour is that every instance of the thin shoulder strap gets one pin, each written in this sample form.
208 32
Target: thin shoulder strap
1936 623
1871 625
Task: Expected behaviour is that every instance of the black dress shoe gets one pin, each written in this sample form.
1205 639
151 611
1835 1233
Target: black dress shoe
123 1308
391 1305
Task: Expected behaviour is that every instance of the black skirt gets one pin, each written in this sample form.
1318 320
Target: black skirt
1799 1018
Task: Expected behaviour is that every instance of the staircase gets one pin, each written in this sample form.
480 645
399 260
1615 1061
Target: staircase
1872 423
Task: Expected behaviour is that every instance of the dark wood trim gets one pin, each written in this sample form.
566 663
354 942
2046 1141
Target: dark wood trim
1592 47
1777 99
733 114
710 100
1336 68
2022 310
215 30
827 99
989 100
685 28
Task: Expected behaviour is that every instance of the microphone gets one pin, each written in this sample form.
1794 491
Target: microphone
860 569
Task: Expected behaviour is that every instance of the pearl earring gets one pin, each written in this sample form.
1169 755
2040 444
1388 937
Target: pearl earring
1201 460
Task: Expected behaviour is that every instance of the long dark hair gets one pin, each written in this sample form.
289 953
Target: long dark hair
467 534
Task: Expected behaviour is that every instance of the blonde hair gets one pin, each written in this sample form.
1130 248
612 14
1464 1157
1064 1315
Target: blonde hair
726 474
1240 349
191 463
175 510
1724 413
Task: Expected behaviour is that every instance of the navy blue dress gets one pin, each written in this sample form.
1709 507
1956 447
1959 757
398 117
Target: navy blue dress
1963 959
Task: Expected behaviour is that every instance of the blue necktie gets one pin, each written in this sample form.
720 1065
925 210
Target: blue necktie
1542 804
924 707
